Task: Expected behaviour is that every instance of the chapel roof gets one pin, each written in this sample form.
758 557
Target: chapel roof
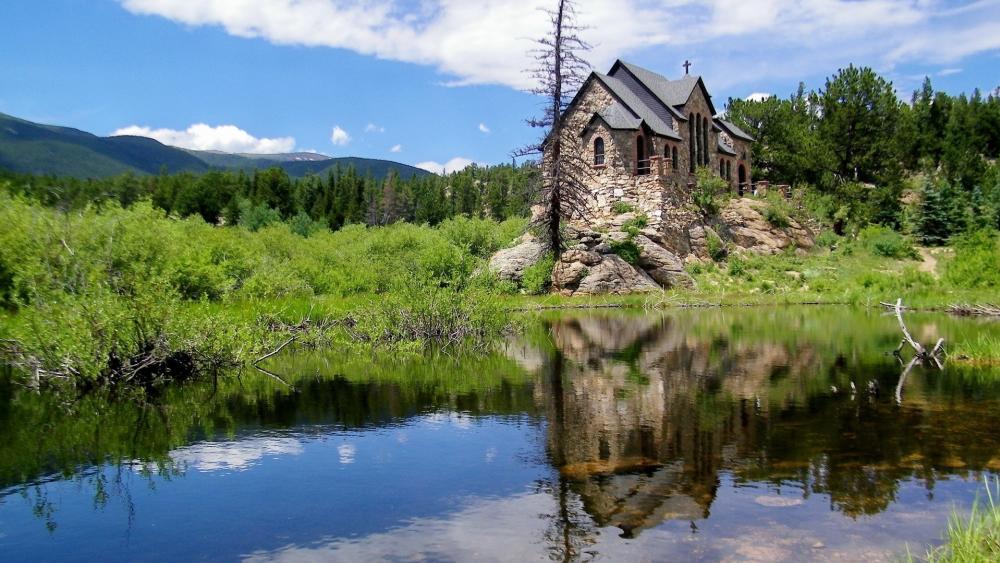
671 92
733 130
636 107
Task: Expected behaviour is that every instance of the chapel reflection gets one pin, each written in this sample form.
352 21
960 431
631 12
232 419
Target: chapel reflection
645 415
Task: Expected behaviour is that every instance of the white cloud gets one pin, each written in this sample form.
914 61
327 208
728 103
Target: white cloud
200 136
396 148
339 137
487 41
453 165
484 128
372 128
948 71
758 97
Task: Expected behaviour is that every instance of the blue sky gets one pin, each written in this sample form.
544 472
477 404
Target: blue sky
433 82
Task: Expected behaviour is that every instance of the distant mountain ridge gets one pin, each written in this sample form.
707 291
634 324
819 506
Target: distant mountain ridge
33 148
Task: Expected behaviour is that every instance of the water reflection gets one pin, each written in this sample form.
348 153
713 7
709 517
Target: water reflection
645 413
692 434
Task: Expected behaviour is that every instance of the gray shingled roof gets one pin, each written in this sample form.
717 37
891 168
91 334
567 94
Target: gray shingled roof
618 116
725 149
672 92
734 130
637 107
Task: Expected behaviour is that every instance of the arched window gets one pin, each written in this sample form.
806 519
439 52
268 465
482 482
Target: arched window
729 170
692 141
673 157
641 156
704 134
722 168
598 152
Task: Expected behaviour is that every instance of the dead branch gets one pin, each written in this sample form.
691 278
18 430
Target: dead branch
274 376
969 310
906 334
276 350
921 355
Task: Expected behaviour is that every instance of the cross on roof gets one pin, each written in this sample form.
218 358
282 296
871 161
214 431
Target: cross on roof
687 67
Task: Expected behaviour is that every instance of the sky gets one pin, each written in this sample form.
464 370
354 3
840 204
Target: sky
437 83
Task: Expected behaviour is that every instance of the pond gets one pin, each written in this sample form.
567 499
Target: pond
701 434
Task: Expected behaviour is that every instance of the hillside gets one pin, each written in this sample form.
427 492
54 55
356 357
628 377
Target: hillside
33 148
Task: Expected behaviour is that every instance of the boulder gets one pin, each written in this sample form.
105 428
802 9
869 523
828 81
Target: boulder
661 264
750 230
583 256
510 263
614 275
567 275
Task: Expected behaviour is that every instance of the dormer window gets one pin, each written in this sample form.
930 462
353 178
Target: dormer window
598 152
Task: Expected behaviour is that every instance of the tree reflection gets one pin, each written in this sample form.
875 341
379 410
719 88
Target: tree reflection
647 411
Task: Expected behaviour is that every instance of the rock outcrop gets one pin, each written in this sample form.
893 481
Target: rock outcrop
591 267
748 229
510 263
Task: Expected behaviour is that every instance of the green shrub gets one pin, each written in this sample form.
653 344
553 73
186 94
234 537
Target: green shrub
537 278
424 315
708 187
887 243
626 250
621 207
256 217
976 264
303 225
827 239
717 250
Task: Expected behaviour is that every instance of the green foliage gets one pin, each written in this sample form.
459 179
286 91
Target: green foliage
976 264
621 207
256 217
941 214
636 224
303 225
860 113
84 283
707 190
717 250
777 211
481 237
827 239
886 243
419 315
538 277
627 250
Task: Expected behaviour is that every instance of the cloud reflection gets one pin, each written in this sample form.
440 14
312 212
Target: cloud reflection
234 456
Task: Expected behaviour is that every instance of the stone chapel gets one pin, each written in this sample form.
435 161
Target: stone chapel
644 136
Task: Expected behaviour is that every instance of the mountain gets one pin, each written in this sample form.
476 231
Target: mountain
32 148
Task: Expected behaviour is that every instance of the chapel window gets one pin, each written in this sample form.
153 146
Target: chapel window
692 141
673 157
641 156
599 152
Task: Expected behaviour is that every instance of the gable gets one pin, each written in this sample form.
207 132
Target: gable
700 94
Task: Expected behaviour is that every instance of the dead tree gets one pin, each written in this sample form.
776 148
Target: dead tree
560 72
921 354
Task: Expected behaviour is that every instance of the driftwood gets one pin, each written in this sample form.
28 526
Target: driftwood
968 310
921 354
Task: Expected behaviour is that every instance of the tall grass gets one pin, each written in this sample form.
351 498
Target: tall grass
975 537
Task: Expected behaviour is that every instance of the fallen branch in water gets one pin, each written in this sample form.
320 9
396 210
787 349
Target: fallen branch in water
921 355
968 310
275 351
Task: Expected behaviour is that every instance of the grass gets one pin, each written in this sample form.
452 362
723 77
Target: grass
975 537
984 350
